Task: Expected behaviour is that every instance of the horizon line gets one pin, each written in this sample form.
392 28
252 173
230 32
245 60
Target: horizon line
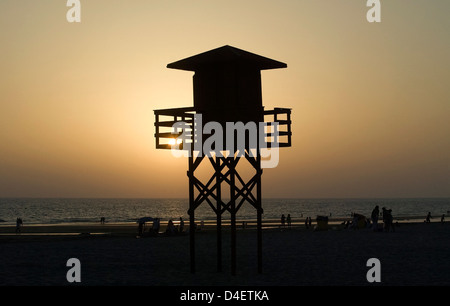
186 198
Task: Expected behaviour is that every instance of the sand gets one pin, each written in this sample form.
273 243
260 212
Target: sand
416 254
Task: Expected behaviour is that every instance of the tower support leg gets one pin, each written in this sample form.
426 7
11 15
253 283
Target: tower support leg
233 215
259 219
191 213
219 214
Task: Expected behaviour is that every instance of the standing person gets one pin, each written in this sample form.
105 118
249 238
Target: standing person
18 225
140 229
288 219
283 220
442 218
306 222
428 219
388 220
181 225
374 217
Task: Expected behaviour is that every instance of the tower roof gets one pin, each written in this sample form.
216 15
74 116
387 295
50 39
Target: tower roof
226 55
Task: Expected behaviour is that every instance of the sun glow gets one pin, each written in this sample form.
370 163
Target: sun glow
175 141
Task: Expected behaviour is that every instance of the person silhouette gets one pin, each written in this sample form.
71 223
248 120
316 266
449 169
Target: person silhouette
388 220
170 228
283 220
374 217
18 225
181 225
140 229
288 220
428 219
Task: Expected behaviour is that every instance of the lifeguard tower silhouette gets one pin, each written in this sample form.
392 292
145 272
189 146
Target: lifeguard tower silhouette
227 88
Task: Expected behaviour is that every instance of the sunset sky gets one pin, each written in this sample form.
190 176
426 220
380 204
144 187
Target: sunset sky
370 101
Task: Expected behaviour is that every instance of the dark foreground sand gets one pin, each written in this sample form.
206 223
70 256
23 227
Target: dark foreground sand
415 254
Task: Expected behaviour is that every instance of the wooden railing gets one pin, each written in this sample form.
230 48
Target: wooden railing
166 136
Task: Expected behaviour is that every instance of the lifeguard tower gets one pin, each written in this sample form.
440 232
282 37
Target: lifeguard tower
227 88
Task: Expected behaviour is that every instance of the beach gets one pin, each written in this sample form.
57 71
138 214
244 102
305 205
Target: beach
416 254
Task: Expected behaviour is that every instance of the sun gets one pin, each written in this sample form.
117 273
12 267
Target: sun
174 141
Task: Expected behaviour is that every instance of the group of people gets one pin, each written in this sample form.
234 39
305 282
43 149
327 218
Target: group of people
308 222
428 218
153 231
360 221
171 229
388 220
286 220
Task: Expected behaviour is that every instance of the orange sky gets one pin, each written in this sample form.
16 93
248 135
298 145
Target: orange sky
370 102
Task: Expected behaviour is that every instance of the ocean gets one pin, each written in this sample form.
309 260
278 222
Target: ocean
66 211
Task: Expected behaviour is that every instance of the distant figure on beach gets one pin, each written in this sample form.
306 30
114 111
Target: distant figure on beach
308 222
288 220
102 220
140 229
388 220
155 226
374 217
181 225
170 228
19 224
428 219
442 218
283 220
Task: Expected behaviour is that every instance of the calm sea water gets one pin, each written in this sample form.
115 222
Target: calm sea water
57 211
